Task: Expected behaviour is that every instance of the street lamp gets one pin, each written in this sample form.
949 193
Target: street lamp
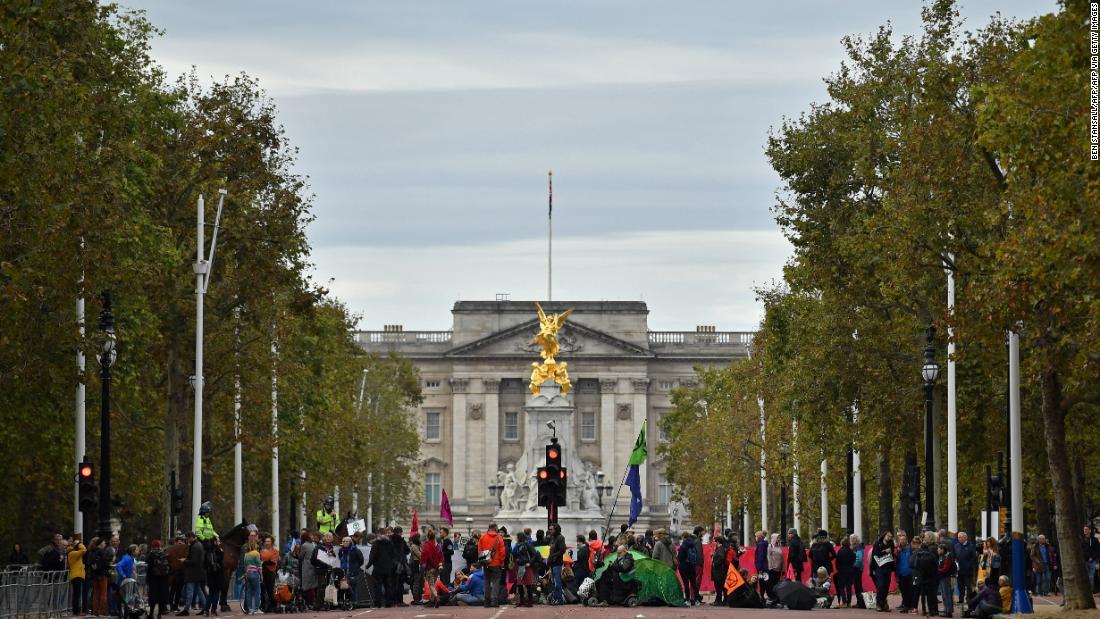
601 487
929 372
106 360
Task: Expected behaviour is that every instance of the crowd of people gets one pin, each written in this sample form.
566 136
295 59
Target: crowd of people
934 572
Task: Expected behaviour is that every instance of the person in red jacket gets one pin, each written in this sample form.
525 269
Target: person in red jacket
490 551
431 560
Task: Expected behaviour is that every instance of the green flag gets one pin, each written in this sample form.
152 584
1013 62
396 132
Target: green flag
638 455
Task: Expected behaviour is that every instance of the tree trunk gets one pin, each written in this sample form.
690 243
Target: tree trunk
905 511
1078 591
1042 511
177 409
885 491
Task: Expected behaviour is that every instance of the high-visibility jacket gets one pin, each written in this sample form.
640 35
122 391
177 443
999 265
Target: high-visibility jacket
327 522
204 529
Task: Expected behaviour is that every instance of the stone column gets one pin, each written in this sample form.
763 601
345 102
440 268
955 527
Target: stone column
614 473
640 387
459 386
491 388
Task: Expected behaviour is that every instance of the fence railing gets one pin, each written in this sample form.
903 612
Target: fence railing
26 591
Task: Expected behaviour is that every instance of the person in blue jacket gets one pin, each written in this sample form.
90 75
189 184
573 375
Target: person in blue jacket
472 592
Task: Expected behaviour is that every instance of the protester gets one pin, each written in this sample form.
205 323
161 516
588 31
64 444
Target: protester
904 573
269 559
523 554
718 567
555 561
471 592
821 587
323 554
99 568
77 576
490 548
845 573
215 558
966 557
1005 591
431 560
416 579
796 554
663 550
822 553
383 565
51 558
687 558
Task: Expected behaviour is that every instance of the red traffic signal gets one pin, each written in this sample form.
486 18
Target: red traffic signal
86 471
543 474
553 454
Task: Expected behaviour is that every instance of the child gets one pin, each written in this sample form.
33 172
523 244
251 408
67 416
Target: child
821 585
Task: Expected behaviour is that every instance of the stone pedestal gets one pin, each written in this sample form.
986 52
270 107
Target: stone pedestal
550 406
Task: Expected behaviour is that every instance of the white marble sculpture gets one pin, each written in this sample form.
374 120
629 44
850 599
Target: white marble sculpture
590 496
509 501
532 492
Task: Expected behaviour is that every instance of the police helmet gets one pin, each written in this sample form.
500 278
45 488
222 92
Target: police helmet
205 508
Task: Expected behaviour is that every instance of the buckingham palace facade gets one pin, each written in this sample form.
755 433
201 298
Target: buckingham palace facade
475 376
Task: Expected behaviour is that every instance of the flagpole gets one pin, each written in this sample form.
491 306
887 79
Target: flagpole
550 237
607 528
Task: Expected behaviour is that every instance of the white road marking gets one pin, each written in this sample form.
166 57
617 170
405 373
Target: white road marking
498 613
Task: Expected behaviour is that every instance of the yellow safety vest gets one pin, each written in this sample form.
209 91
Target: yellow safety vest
326 522
204 529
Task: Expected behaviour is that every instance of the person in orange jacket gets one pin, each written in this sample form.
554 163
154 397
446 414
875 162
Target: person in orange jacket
490 552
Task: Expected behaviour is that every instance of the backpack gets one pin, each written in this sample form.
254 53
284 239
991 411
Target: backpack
469 552
692 554
522 554
158 563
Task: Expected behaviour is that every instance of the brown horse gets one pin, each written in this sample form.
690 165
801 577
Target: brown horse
232 541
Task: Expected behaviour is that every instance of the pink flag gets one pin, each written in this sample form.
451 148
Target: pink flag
445 510
415 525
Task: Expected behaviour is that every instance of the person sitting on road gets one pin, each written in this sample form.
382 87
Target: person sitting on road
821 585
472 591
745 595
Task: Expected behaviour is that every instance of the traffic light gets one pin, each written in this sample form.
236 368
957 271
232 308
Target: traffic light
552 478
177 501
86 487
912 482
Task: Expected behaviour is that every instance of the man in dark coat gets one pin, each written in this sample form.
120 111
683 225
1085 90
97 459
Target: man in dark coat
194 574
966 558
796 554
383 562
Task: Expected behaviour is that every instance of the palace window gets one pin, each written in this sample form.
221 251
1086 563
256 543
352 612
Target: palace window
664 492
511 426
661 433
431 384
433 486
431 426
666 385
588 426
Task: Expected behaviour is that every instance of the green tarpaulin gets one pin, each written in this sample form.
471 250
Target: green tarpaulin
658 581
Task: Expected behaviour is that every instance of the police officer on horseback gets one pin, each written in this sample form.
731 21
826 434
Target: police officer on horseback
204 528
327 520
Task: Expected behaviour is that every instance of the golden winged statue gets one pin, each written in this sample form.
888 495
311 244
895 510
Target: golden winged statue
547 339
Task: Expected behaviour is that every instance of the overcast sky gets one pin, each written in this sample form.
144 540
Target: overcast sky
427 129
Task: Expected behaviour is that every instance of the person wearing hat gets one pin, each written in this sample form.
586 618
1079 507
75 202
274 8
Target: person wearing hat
822 553
327 520
204 528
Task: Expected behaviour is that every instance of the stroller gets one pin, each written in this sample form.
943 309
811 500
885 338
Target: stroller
132 602
338 591
288 595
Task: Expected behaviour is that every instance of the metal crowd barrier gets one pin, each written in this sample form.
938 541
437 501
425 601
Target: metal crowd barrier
28 592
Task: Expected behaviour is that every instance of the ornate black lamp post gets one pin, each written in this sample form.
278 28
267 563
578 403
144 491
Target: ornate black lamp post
602 488
106 360
929 372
